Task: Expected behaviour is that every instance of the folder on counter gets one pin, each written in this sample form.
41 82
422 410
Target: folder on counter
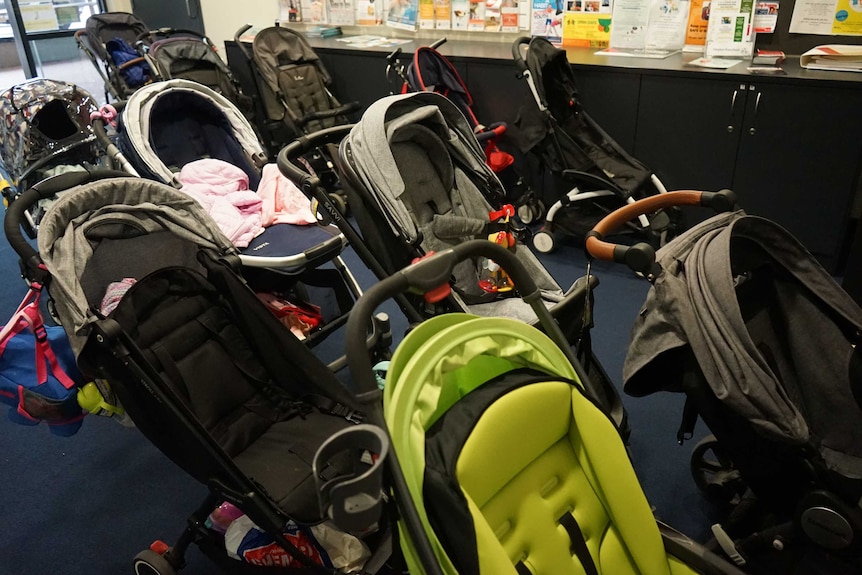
840 57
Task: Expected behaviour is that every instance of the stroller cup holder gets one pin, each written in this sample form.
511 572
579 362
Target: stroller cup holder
353 502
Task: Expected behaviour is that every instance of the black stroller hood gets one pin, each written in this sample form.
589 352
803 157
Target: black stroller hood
433 72
576 142
772 332
179 57
110 25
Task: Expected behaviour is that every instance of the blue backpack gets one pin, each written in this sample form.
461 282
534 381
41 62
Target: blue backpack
39 378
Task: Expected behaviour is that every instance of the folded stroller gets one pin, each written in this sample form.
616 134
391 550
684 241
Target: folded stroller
192 56
110 41
501 463
416 175
147 290
45 130
293 84
763 343
168 125
554 127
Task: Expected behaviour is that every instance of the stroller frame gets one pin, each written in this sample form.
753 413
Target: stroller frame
597 187
109 351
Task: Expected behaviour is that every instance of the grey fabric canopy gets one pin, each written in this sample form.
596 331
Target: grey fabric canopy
112 209
782 361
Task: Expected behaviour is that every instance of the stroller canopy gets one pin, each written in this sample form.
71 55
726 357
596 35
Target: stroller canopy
169 124
42 119
433 72
194 59
583 144
395 118
91 216
102 28
771 331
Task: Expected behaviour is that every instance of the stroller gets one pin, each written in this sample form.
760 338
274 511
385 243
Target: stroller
293 85
763 343
110 40
417 178
500 462
192 56
169 125
430 71
45 130
554 127
147 290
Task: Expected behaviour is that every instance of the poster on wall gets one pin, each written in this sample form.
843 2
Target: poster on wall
510 13
403 14
827 17
460 14
493 17
698 22
38 16
442 14
730 33
547 20
587 23
369 12
340 12
289 11
476 16
426 14
648 28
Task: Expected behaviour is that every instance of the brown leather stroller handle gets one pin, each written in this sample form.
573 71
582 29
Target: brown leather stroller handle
641 257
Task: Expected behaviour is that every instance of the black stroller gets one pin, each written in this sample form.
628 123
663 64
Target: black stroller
763 342
110 41
146 287
192 56
293 85
554 127
423 188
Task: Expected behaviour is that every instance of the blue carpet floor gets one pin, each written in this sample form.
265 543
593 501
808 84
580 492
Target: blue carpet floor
87 504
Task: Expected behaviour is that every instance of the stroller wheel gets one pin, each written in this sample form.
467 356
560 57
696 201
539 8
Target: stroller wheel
339 202
714 473
148 562
544 242
525 213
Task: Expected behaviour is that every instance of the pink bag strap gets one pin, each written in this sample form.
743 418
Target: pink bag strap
28 316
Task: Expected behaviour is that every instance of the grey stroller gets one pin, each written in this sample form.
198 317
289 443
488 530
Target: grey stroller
417 183
745 322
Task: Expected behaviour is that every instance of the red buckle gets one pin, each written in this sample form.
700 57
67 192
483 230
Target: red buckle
439 293
159 546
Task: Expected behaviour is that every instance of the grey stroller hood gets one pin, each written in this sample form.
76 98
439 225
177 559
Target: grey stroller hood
370 144
772 333
116 208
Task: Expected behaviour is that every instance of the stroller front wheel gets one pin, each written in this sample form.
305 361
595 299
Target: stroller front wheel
148 562
544 242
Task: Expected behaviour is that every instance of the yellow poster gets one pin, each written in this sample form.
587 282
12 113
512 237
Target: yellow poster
426 13
848 18
586 30
698 21
39 16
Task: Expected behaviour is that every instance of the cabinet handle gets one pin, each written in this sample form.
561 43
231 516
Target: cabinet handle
732 106
752 130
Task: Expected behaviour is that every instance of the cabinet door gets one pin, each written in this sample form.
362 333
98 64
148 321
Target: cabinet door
356 76
611 99
688 130
799 160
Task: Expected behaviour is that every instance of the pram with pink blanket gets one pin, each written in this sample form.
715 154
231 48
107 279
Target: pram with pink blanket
187 135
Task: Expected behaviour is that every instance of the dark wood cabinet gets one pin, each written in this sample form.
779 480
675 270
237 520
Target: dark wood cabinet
790 151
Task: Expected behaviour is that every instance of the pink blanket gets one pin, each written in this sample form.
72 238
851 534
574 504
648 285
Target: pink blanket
222 189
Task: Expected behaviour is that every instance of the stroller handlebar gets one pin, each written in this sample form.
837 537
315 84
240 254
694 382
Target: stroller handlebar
641 257
236 38
426 275
438 43
303 145
516 52
45 189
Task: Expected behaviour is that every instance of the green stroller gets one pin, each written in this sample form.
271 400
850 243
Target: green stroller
506 465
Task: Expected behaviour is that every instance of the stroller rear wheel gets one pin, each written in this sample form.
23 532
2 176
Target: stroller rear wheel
148 562
544 241
714 473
